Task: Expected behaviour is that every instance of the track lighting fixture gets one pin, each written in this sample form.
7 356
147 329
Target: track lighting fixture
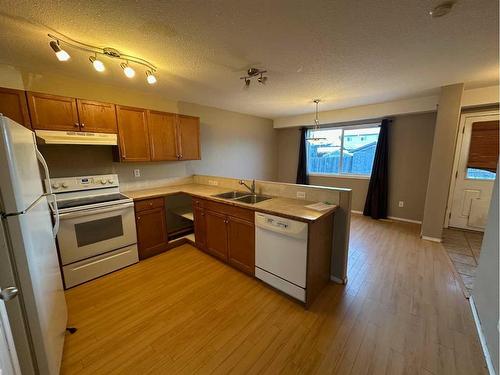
97 64
127 70
150 77
252 73
61 54
125 64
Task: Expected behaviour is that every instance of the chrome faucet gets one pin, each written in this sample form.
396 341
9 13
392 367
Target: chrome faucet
252 189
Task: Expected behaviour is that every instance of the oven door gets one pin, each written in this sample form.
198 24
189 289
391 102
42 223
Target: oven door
86 233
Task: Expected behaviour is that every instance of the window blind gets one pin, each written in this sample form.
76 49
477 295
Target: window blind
483 150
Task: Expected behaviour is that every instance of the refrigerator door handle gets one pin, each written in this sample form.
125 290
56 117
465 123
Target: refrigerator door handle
52 201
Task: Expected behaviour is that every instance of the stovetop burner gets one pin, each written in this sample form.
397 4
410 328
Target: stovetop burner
86 201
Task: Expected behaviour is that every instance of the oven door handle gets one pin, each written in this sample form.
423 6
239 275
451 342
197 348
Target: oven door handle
100 210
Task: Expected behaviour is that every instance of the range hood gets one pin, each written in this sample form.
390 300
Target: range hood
52 137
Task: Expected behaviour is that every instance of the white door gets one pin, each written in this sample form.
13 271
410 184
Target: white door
9 364
471 189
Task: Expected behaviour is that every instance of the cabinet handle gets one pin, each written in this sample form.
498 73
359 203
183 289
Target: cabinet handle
77 124
138 218
82 125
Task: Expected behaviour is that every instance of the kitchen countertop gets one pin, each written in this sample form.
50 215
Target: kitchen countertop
287 207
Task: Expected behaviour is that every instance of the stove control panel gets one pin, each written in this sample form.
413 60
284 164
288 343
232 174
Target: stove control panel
67 184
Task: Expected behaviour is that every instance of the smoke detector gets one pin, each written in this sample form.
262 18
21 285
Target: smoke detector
442 9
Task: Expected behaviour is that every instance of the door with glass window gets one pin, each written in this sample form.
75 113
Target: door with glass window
476 161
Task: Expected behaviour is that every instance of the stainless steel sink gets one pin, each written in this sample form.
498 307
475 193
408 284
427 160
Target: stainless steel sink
231 195
252 199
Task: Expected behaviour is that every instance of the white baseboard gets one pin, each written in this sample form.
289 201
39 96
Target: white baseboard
338 280
482 339
391 217
433 239
405 220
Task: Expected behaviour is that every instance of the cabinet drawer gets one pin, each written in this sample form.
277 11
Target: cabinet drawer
149 204
199 203
227 209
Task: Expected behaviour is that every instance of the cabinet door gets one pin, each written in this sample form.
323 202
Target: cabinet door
151 232
199 227
133 134
241 240
189 137
216 234
163 136
96 116
13 105
50 112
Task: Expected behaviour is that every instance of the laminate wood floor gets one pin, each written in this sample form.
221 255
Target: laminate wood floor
182 312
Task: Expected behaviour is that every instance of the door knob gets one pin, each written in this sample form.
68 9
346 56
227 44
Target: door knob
8 293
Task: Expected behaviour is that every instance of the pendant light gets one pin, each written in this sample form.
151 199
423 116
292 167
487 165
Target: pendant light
316 124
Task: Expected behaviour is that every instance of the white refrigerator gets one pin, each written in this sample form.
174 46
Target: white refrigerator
37 313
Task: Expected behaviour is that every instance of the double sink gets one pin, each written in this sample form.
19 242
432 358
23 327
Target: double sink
242 197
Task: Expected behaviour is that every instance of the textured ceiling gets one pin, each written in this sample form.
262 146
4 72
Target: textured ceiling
346 52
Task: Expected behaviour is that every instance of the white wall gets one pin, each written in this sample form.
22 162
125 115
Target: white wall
472 97
233 144
486 284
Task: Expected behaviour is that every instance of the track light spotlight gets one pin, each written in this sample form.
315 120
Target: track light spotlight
98 64
127 70
61 54
150 77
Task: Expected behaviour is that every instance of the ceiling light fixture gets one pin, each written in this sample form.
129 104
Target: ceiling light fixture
61 54
150 77
127 70
442 9
252 73
108 52
97 64
316 124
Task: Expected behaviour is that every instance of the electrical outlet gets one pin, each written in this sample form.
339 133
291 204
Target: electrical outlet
401 204
213 182
301 195
137 173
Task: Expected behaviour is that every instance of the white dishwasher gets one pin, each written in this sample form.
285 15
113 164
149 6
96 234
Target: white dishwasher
281 253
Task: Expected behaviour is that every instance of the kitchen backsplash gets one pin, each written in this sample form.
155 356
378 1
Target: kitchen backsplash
74 160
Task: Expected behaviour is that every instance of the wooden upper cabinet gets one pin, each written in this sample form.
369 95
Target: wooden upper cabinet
189 137
51 112
96 117
163 136
241 241
13 105
133 134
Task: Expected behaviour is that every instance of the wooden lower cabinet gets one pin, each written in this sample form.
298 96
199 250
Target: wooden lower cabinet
200 228
216 234
225 232
151 226
241 245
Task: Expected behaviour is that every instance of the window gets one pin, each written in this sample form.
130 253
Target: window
479 174
342 151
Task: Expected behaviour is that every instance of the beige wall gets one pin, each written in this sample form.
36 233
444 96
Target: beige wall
410 147
443 153
234 144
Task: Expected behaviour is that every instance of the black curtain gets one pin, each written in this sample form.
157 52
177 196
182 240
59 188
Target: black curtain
302 177
376 198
